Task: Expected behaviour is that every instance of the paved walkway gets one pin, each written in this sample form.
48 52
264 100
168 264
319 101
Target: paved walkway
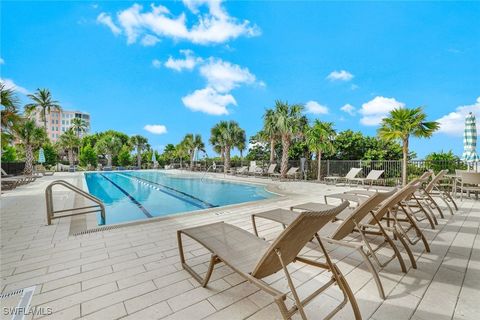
134 272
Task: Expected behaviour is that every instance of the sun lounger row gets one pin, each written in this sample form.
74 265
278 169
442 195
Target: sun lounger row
351 177
10 182
254 170
382 218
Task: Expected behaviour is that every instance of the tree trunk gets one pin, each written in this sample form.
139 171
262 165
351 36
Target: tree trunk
405 161
45 119
319 165
226 163
284 164
272 151
28 160
192 155
139 159
109 159
222 154
71 160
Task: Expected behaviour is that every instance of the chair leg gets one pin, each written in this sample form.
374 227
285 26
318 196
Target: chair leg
366 259
340 279
298 302
391 243
374 273
254 225
407 249
435 204
213 261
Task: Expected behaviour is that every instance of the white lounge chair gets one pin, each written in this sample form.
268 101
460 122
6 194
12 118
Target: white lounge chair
372 176
349 176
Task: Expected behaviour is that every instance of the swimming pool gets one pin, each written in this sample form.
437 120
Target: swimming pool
135 195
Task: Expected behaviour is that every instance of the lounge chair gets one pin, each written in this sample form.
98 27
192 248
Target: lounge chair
253 170
254 258
432 190
334 231
39 169
349 176
291 173
394 211
21 179
372 176
271 169
10 183
240 170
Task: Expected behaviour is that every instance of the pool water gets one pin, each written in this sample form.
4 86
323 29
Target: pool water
136 195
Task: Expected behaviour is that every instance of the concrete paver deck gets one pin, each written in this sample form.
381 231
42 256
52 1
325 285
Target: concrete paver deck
133 272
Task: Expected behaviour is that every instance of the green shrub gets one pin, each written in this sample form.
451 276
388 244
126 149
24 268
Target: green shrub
9 154
88 156
124 157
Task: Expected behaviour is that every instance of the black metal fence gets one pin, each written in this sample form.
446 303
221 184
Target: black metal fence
392 168
15 168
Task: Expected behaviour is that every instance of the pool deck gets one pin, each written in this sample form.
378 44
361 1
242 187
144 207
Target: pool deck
133 272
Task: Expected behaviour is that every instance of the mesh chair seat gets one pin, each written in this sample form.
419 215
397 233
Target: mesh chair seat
238 248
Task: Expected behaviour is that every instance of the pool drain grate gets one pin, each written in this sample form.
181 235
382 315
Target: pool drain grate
99 229
22 308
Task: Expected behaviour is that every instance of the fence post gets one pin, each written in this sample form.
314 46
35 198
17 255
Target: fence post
328 168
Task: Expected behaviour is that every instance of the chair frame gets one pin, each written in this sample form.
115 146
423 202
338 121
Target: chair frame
364 249
262 270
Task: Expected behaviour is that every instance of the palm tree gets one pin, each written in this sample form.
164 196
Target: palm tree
31 137
270 131
140 144
181 151
216 139
9 114
42 98
319 138
290 123
109 145
69 141
78 125
403 123
233 137
192 143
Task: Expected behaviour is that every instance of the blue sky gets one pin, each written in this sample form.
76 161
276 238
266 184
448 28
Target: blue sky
178 67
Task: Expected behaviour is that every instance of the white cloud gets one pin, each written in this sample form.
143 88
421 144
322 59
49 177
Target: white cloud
189 62
9 84
149 40
454 122
348 108
214 26
315 108
156 63
106 19
376 109
156 128
208 100
221 77
2 61
224 76
341 75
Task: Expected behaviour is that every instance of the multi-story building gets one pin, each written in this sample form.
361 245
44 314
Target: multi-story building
60 121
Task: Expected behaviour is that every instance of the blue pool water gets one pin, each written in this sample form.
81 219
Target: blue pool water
135 195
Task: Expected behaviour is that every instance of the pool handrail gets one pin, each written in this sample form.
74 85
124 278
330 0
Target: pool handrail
98 207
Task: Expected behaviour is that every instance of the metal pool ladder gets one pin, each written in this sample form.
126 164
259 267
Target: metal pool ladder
97 207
